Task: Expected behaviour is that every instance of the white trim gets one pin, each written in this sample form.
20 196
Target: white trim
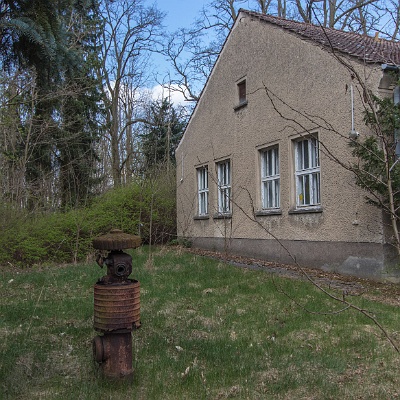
307 172
224 186
202 190
270 178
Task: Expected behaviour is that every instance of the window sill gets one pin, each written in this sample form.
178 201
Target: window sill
201 217
241 105
306 210
222 216
272 211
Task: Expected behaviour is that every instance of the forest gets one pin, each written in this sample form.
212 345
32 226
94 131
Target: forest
85 144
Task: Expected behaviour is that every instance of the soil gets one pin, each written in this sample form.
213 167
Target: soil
385 292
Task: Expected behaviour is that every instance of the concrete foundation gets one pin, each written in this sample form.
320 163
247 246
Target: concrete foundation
364 260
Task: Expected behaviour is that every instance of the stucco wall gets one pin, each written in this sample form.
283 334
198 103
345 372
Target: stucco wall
293 87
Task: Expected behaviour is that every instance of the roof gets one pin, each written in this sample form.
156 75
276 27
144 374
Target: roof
366 48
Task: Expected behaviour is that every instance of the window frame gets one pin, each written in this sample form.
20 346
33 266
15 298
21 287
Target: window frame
307 168
242 91
202 191
224 183
270 178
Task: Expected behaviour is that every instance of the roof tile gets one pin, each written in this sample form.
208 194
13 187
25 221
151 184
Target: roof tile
365 48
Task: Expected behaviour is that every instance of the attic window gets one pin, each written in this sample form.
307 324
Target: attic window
242 91
242 95
241 88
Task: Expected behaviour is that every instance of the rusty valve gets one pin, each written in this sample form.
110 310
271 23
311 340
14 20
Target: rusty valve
116 305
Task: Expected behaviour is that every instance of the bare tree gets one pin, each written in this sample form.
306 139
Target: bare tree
193 51
19 143
391 10
130 33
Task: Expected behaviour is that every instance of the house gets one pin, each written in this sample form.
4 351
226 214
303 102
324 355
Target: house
260 166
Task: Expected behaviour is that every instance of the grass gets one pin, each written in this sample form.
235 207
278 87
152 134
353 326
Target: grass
209 331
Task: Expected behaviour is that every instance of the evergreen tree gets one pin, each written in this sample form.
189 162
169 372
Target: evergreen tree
377 169
55 43
80 129
162 134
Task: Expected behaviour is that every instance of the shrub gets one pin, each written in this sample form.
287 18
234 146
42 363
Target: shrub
145 208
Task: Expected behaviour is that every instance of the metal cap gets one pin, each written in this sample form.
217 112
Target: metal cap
116 240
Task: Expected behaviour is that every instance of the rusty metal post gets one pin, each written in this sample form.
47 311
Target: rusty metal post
113 352
116 306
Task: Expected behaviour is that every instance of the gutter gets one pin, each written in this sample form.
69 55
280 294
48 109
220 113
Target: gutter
387 67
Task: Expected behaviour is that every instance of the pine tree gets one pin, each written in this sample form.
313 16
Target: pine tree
162 135
54 42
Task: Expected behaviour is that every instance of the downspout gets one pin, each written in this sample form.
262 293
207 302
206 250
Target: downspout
353 133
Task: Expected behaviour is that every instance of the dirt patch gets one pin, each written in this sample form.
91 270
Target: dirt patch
385 292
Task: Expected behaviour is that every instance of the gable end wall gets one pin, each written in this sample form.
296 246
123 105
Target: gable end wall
293 88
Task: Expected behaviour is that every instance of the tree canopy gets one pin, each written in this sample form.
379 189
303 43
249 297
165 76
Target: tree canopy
77 116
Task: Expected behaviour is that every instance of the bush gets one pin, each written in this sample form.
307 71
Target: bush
183 242
145 208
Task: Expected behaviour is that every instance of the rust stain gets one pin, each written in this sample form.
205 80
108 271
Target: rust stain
116 306
116 240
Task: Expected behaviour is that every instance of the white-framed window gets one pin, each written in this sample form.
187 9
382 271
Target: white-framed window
270 178
307 171
224 186
202 185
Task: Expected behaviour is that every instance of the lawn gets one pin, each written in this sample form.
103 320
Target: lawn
209 331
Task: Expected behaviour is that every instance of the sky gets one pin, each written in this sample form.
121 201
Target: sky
179 14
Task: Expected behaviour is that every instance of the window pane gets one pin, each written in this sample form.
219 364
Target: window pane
270 178
269 163
307 172
315 186
202 203
276 190
299 156
306 160
273 193
269 155
270 194
242 91
225 200
314 153
224 189
202 178
306 187
264 186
